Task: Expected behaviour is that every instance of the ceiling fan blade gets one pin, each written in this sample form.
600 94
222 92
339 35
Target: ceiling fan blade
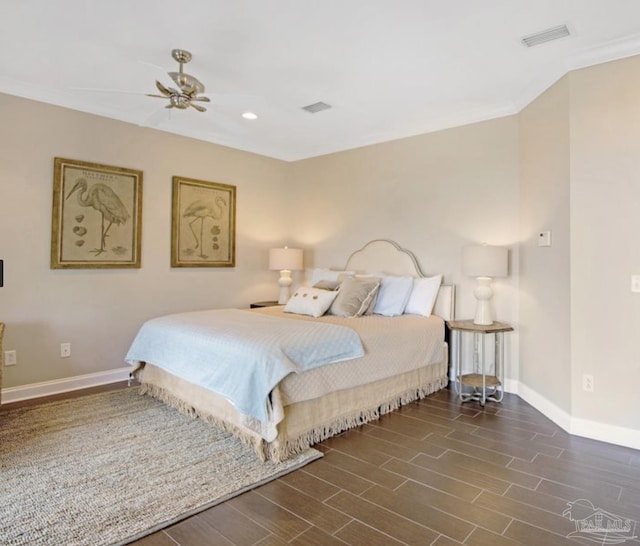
161 74
156 118
99 90
152 65
234 99
201 99
156 96
164 90
198 107
243 102
226 124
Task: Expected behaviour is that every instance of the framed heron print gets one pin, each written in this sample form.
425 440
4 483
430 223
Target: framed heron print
203 224
96 221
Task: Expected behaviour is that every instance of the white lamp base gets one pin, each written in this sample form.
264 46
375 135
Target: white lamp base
483 294
284 282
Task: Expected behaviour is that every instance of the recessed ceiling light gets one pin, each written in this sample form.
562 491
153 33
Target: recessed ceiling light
249 115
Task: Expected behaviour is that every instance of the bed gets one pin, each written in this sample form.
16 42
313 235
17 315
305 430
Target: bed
402 358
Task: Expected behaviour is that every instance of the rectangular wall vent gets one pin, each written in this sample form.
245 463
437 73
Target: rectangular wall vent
316 107
548 35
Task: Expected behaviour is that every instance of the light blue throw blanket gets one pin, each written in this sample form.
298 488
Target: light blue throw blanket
241 355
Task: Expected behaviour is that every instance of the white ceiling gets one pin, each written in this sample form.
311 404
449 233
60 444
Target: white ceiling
389 68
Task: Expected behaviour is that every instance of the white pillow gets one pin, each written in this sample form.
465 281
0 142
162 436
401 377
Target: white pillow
393 295
423 296
320 274
310 301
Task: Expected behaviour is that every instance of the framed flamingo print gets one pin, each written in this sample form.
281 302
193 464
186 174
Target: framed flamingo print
96 220
203 224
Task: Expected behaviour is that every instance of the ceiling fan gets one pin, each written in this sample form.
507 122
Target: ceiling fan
189 88
183 91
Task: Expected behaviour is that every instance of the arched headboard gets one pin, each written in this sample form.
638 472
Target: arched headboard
386 256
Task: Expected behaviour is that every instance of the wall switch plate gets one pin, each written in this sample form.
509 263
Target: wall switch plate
10 358
65 350
635 283
544 238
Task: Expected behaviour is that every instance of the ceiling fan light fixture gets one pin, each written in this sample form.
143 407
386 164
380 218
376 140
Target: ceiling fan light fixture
181 102
249 115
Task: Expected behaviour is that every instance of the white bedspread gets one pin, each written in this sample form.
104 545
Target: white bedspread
241 355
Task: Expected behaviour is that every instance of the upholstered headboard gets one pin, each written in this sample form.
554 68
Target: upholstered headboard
386 256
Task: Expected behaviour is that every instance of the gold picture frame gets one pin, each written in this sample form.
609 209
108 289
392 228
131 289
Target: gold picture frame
203 224
97 216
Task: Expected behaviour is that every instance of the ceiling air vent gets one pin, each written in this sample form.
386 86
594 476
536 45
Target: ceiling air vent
316 107
548 35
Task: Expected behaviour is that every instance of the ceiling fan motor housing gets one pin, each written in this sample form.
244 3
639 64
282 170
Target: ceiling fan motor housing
187 83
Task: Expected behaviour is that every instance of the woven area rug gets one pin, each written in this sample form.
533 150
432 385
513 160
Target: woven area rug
113 467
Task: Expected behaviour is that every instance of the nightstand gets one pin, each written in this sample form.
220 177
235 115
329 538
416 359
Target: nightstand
259 304
487 383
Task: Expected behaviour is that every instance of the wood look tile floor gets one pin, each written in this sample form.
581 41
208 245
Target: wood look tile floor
436 472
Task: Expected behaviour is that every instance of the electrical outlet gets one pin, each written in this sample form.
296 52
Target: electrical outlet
65 350
544 238
587 382
10 358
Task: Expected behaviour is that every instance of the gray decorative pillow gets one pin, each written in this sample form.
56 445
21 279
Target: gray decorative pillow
319 274
327 285
354 296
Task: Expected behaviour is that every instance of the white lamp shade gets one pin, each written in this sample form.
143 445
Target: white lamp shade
285 258
485 261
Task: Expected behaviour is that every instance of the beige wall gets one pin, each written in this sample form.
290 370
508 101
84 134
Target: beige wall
567 163
579 179
545 307
429 191
99 311
432 193
605 246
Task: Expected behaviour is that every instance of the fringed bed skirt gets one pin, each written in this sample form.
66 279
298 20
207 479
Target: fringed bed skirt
307 422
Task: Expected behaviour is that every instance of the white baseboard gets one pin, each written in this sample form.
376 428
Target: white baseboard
543 405
57 386
612 434
594 430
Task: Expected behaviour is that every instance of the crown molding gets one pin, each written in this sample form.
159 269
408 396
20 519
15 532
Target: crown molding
610 51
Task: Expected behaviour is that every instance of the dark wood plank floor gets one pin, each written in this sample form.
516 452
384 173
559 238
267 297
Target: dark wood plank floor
433 473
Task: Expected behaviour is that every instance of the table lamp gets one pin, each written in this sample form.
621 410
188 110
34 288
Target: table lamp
285 260
484 262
